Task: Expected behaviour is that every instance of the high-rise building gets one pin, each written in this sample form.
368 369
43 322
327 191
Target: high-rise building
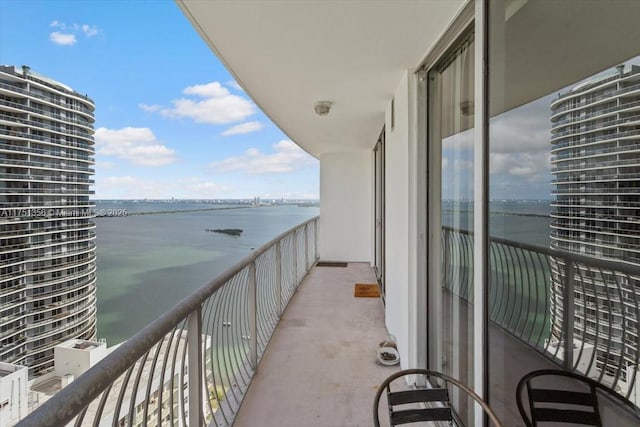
47 248
596 209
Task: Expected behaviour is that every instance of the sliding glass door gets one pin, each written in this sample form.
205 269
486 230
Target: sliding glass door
556 282
450 87
564 224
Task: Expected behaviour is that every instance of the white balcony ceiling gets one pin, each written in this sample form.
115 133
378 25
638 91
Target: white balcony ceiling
289 54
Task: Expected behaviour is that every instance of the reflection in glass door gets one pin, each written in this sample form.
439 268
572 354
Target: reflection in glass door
450 217
564 183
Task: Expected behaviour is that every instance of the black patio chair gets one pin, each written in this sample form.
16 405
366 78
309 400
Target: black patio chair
577 405
426 403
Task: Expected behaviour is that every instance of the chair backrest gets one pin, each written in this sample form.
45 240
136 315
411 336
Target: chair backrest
433 403
555 404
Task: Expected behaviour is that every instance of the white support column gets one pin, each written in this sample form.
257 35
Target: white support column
345 214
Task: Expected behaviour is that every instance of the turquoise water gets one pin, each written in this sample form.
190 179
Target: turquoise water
524 221
147 263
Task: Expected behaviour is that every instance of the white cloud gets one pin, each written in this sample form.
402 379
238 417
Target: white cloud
132 187
207 187
209 103
209 90
63 39
89 30
227 109
520 142
68 32
129 187
242 128
530 166
196 188
288 157
119 181
150 108
105 165
460 165
234 85
136 145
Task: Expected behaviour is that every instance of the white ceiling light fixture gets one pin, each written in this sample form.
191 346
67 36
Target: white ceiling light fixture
322 108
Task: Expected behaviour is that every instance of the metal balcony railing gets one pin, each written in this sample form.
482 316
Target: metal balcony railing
592 128
587 87
58 179
544 297
591 99
194 363
60 153
584 141
87 144
48 113
60 166
569 118
41 95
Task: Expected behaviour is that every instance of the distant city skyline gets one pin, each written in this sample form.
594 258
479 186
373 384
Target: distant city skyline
170 120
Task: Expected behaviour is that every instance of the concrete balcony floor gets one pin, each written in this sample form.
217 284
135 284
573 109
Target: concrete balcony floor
319 368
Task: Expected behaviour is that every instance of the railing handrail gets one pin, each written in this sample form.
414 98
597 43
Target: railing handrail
542 297
71 400
608 264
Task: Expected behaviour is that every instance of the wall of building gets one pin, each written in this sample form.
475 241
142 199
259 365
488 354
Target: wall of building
13 394
75 361
400 223
345 208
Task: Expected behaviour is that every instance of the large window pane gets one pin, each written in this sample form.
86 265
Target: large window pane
451 114
564 186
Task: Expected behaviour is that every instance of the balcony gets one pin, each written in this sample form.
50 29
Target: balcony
198 362
276 334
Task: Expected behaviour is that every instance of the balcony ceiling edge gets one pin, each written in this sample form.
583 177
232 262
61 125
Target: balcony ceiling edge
288 55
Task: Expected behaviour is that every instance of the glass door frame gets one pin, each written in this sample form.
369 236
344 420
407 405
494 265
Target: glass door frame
379 208
474 14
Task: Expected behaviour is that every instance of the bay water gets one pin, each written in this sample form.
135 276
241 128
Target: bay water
160 252
148 262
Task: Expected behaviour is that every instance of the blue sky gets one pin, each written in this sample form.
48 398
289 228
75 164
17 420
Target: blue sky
170 120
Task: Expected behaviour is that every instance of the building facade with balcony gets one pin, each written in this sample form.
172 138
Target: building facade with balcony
595 168
47 248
